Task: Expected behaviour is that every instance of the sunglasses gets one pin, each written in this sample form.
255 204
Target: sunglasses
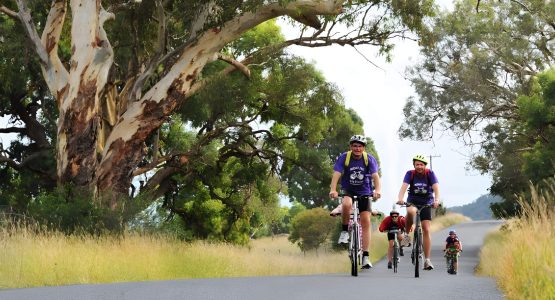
394 216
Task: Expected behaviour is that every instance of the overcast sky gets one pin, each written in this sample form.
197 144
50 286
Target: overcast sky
378 95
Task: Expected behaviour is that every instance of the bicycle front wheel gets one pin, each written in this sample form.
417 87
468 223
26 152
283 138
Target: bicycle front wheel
451 264
417 252
395 256
354 250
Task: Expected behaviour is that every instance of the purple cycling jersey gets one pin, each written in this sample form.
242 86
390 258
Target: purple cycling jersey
357 177
422 193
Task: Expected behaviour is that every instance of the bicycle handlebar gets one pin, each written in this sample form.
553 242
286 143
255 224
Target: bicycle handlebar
407 204
356 198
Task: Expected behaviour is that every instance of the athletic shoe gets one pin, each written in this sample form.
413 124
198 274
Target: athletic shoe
389 265
366 264
401 252
428 265
406 241
343 238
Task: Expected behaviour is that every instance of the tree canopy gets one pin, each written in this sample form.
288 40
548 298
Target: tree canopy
480 66
194 102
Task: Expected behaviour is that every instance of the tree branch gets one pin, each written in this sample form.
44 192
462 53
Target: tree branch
27 22
13 130
158 56
55 74
239 66
9 12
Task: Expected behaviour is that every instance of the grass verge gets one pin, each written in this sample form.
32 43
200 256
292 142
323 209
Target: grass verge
31 258
521 257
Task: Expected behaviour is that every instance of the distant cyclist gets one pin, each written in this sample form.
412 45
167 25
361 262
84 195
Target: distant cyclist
453 246
358 171
451 238
393 221
423 189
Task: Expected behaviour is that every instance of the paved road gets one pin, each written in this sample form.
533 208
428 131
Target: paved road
376 283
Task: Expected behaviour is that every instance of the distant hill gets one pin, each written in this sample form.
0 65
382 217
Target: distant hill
477 210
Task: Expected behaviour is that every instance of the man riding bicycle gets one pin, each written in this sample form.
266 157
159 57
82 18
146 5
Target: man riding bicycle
453 247
423 189
393 221
358 171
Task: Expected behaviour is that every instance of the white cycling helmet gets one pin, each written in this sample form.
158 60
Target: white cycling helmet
357 138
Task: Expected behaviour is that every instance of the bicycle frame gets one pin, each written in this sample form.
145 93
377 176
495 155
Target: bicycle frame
416 255
355 237
451 260
396 248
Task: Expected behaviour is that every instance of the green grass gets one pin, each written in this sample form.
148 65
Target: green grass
521 257
31 258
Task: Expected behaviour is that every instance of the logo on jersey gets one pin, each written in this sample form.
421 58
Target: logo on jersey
357 176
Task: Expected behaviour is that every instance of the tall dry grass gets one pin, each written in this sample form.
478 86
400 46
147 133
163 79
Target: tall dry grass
32 257
521 257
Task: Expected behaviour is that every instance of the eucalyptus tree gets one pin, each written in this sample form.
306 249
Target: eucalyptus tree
478 59
116 71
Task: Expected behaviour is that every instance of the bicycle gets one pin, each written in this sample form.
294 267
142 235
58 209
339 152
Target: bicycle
416 254
355 235
452 257
396 249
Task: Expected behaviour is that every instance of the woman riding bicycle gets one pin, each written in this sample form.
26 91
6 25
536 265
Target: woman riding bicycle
393 221
423 189
357 170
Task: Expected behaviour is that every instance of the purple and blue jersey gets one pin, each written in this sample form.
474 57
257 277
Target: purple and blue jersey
357 177
421 191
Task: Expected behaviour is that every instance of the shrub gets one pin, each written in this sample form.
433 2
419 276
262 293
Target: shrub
311 228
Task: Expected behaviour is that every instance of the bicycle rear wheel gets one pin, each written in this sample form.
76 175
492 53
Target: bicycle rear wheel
353 250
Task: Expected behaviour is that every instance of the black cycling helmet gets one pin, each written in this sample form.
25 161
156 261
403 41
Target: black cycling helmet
452 232
357 138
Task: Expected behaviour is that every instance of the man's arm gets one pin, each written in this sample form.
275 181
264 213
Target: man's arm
333 185
435 187
377 186
401 196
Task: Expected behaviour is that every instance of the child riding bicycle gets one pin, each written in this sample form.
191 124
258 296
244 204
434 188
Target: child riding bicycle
453 247
391 222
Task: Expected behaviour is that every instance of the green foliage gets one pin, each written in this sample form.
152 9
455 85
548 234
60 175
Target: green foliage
296 208
263 35
72 210
223 158
311 228
476 80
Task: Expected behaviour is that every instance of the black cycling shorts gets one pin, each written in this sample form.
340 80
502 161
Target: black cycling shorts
426 214
391 236
364 204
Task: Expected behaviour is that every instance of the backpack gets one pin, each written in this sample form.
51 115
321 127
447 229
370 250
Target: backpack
411 182
348 159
